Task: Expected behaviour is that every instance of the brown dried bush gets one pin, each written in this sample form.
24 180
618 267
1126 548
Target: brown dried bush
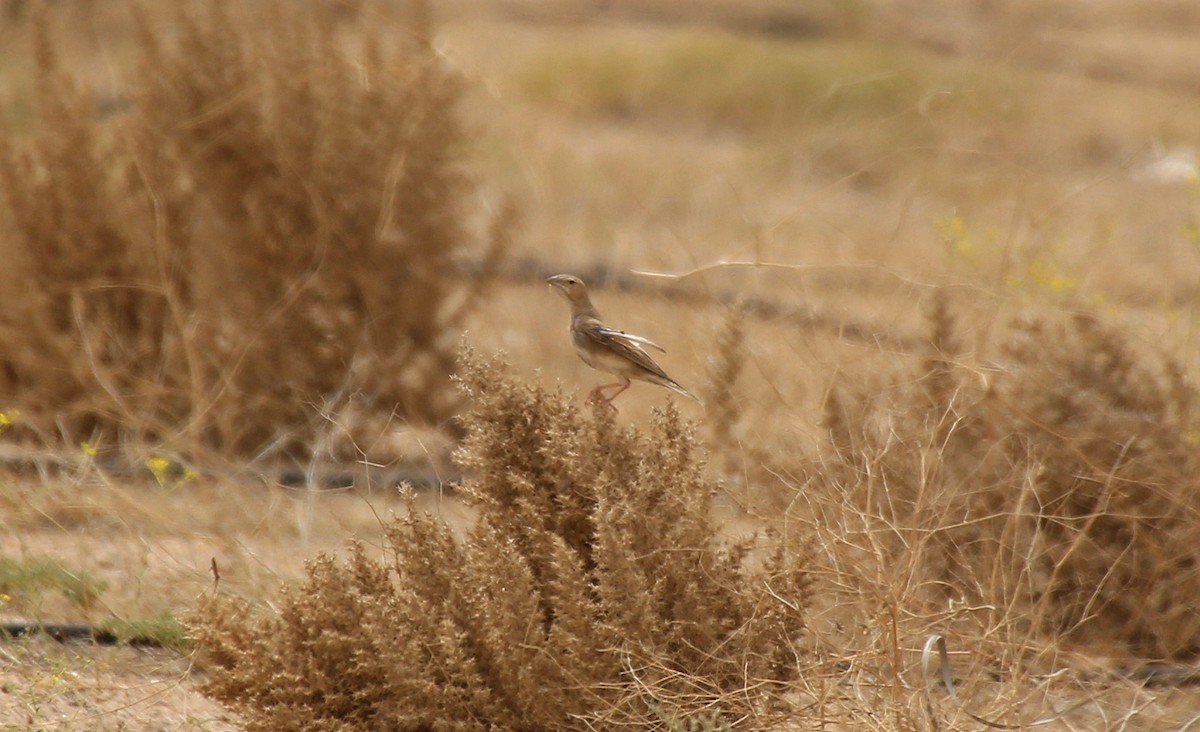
1054 488
273 222
593 592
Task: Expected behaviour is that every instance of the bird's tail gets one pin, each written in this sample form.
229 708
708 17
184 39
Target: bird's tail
670 384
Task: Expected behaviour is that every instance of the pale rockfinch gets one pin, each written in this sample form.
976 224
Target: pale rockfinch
608 349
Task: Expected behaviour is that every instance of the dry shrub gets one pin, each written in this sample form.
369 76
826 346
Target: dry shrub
593 592
1056 494
274 221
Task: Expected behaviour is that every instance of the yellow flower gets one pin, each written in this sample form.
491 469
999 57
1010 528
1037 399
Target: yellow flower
954 231
169 473
1048 279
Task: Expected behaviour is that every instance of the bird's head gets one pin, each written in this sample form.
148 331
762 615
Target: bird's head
570 287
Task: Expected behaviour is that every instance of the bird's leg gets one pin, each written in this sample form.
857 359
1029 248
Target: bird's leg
624 385
597 394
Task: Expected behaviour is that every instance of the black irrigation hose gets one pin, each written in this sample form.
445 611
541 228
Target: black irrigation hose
65 632
602 276
1154 674
341 479
325 478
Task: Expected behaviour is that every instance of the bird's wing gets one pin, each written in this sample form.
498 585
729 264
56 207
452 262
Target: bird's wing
620 344
630 338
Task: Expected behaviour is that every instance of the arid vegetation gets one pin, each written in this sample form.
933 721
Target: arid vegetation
266 226
932 268
592 591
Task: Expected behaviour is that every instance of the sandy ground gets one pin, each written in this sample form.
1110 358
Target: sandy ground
75 686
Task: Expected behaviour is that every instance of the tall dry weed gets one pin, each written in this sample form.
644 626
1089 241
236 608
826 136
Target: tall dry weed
1051 488
274 221
724 367
593 592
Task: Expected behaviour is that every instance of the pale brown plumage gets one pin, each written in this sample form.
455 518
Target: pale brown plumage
608 349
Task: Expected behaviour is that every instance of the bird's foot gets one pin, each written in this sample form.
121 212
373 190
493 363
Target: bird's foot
596 396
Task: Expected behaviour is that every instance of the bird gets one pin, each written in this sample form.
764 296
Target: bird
608 349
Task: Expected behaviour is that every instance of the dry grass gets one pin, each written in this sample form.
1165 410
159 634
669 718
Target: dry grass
969 410
1050 488
1019 499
